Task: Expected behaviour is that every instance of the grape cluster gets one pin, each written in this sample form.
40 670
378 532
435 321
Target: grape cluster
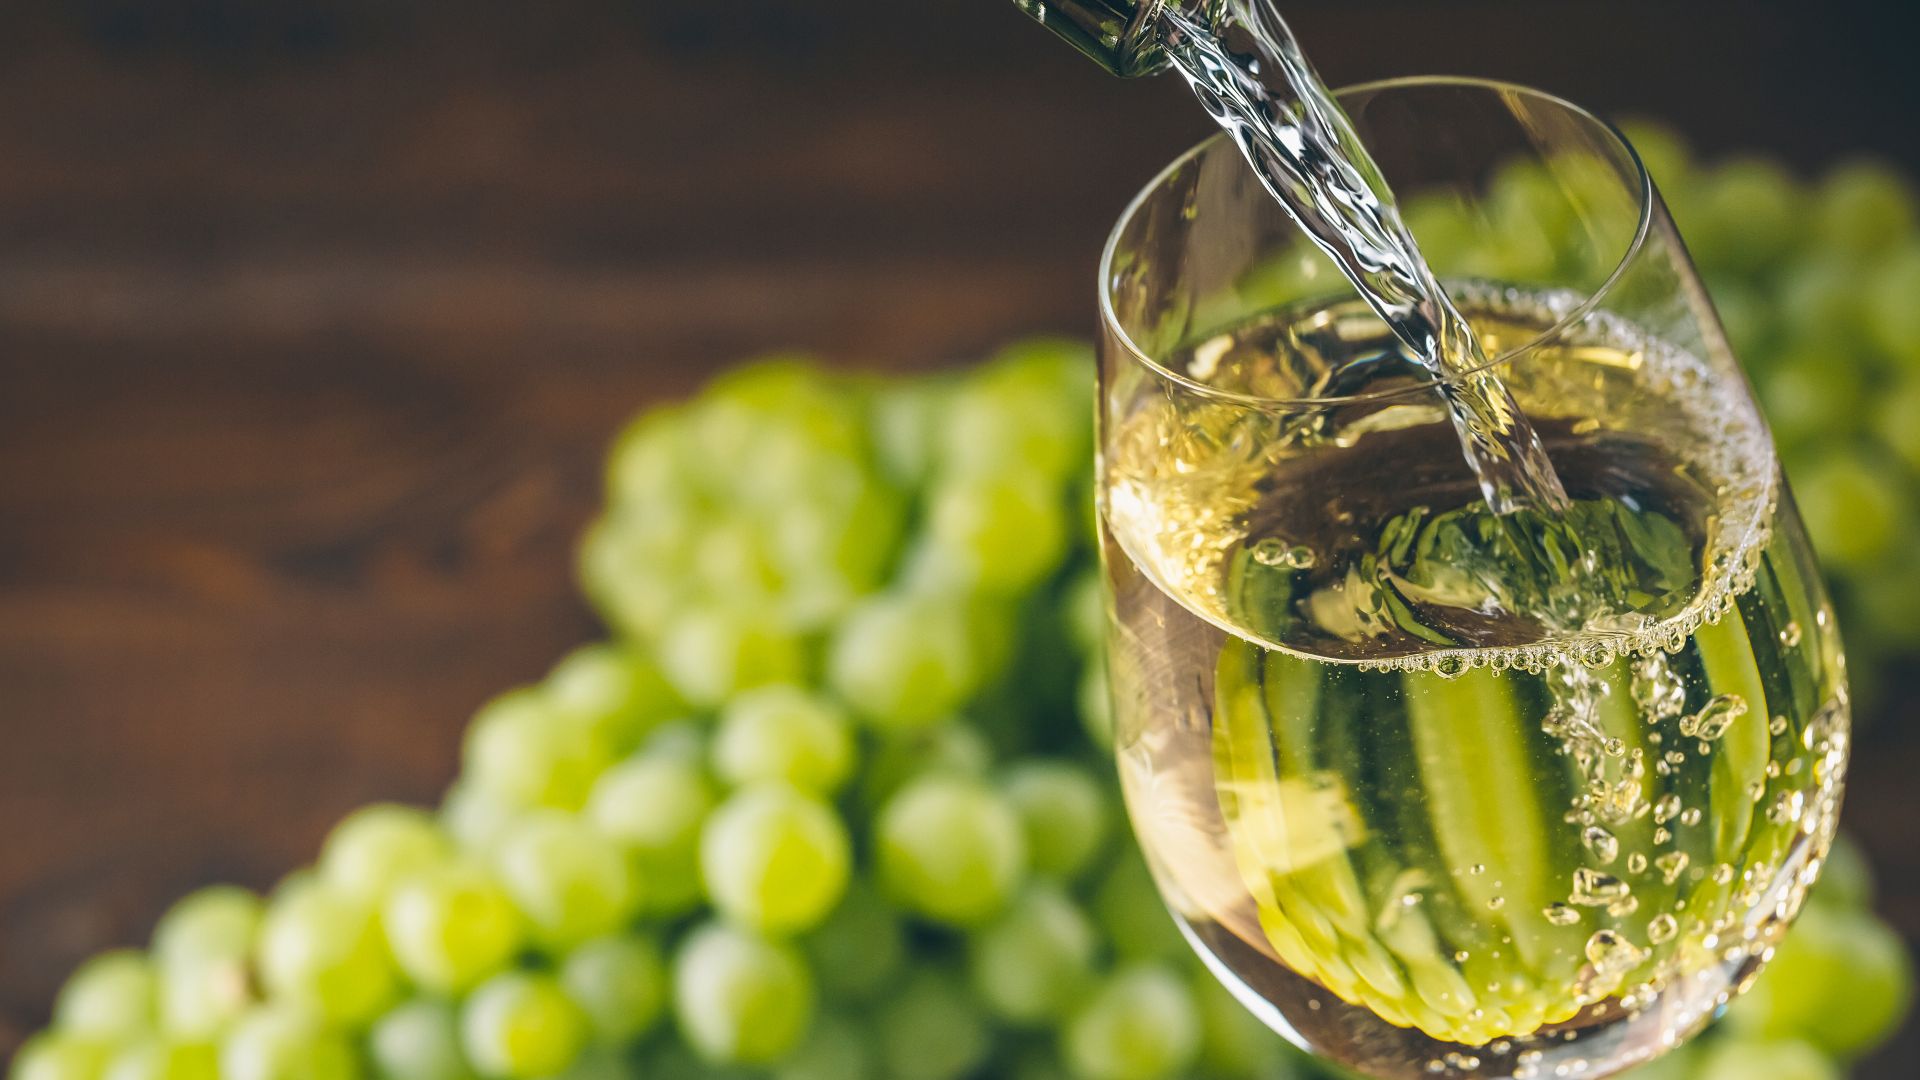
824 808
830 806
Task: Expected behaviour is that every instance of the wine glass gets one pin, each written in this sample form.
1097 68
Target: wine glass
1436 792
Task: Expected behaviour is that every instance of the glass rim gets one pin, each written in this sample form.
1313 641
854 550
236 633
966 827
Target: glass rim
1573 316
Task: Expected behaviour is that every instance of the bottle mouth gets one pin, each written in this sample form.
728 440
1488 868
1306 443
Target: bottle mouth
1585 303
1139 50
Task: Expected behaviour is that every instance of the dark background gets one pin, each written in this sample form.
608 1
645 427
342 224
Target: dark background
314 325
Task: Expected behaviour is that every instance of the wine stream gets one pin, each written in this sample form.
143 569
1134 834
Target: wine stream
1266 95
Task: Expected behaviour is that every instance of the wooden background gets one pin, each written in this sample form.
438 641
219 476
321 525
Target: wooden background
313 327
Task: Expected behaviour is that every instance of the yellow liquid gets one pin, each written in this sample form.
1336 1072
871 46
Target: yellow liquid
1439 793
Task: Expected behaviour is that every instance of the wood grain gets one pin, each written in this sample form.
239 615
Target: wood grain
313 328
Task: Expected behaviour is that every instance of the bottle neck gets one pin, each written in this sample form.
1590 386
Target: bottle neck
1119 35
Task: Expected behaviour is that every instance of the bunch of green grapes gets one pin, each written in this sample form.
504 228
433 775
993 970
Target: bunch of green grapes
826 808
832 805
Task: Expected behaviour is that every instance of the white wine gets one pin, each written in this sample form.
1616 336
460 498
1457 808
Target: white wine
1443 792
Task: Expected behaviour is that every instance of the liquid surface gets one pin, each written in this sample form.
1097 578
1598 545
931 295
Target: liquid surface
1444 792
1261 89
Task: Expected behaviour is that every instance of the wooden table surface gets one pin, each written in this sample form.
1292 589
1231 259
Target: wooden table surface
313 329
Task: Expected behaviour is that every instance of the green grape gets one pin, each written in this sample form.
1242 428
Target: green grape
784 733
1841 980
56 1055
1094 699
1087 613
1846 877
740 999
283 1042
1812 393
1042 1063
1446 234
1863 208
202 949
110 996
835 538
1283 278
451 926
1785 1059
1064 811
419 1040
475 818
603 1063
790 471
1896 420
1855 512
521 1024
735 560
711 654
1587 184
775 859
1023 413
1141 1025
1747 317
1233 1042
165 1059
953 748
1744 216
620 695
994 632
1531 217
1000 532
653 805
321 948
1883 605
569 880
685 739
1056 370
906 423
1820 302
1129 909
635 574
1893 319
786 384
1029 965
217 921
619 982
904 662
524 751
860 948
377 845
201 995
672 1057
931 1030
1662 151
951 849
650 458
758 410
834 1050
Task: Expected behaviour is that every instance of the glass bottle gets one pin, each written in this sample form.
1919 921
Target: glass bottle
1117 34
